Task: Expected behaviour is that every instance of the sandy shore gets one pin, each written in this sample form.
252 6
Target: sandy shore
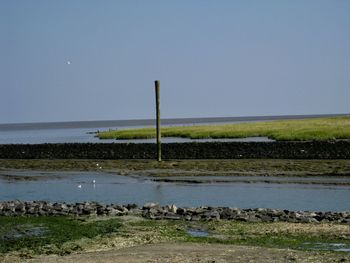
189 252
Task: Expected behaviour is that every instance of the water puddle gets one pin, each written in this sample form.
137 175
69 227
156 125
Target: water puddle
339 247
24 231
197 233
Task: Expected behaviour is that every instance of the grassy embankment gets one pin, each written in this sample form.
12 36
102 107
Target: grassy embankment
305 129
28 236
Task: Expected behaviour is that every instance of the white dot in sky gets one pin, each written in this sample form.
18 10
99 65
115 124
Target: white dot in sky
68 62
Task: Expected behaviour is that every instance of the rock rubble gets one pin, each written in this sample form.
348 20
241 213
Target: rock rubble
168 212
191 150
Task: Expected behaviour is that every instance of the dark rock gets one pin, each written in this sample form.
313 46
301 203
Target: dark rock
345 220
20 208
265 218
230 213
197 211
274 212
131 206
211 215
181 211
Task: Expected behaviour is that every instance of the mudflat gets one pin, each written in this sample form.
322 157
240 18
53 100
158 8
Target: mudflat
252 167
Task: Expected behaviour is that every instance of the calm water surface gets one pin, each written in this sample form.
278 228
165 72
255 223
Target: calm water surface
109 188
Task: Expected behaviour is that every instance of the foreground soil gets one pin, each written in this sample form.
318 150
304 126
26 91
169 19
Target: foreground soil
191 252
134 239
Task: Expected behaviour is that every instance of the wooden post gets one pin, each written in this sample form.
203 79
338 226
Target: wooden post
159 147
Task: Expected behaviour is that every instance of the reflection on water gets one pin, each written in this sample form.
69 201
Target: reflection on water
109 188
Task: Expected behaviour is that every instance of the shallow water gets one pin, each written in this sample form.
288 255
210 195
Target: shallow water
341 247
86 135
110 188
197 233
37 136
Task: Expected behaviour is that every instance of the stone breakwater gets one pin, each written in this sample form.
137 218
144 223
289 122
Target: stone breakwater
194 150
168 212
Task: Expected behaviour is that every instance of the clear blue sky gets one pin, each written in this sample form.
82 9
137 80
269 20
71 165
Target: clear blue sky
97 60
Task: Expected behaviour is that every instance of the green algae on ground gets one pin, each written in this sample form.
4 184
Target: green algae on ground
64 235
16 234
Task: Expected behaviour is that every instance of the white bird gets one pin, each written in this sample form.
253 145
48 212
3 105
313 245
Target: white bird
68 62
79 186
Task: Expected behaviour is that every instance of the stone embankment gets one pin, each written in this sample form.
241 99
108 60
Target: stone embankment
169 212
192 150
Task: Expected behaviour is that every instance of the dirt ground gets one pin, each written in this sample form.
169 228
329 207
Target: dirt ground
254 167
190 252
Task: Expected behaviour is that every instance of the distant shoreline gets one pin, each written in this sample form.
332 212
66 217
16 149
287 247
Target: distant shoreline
148 122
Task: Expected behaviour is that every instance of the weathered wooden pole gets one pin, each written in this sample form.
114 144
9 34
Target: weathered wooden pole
159 147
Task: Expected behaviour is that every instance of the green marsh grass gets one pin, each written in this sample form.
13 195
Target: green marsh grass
281 130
